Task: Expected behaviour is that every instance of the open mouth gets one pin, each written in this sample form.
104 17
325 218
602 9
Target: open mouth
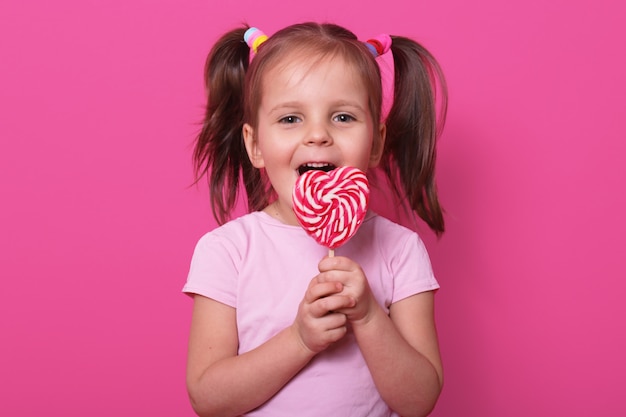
317 166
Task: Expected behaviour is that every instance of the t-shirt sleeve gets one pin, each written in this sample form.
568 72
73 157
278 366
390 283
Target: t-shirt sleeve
214 269
412 270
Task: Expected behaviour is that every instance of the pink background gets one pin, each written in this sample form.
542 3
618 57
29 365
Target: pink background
100 102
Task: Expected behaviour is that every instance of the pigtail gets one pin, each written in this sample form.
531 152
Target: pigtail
413 126
219 151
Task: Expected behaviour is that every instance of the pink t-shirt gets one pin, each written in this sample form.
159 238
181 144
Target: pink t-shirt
262 268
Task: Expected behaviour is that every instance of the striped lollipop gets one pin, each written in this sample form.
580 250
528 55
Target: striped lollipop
331 206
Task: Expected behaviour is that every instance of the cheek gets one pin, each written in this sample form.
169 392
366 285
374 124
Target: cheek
276 155
276 144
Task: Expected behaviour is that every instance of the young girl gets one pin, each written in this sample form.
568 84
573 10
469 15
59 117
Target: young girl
278 327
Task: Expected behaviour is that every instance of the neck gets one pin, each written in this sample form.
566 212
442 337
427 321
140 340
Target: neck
282 213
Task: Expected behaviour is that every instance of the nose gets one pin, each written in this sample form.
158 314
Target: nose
318 134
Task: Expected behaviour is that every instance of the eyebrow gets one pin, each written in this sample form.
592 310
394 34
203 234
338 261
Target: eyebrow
287 104
349 104
291 104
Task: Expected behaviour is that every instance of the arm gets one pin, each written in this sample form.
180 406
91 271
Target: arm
222 383
401 350
402 353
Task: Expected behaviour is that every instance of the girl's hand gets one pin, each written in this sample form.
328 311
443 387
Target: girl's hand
344 271
318 323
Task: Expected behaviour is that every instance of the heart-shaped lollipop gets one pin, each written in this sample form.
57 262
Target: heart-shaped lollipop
331 206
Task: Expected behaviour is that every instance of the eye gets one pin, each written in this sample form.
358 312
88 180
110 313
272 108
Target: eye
290 119
344 118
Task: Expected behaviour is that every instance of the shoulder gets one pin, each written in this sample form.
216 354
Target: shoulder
218 257
394 258
396 244
234 230
230 237
250 232
386 231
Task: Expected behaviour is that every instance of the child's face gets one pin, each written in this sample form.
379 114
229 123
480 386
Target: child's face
311 115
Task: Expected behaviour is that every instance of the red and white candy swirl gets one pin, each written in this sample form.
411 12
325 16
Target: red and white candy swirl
331 206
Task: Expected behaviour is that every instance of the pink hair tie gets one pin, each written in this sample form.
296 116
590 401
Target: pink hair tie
254 38
380 47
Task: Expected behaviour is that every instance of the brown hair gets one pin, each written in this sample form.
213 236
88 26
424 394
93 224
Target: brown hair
234 95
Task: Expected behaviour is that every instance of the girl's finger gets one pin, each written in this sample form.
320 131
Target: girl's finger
332 303
322 289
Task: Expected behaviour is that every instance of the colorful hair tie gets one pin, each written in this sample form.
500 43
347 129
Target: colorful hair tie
380 47
254 38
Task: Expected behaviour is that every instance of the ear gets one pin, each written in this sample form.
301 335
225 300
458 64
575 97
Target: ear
252 146
378 146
